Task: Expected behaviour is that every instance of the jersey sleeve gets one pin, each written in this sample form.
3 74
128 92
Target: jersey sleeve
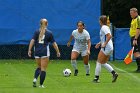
138 23
87 36
35 36
73 32
106 30
52 38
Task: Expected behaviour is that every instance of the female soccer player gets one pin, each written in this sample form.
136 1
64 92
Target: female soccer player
106 50
41 40
81 46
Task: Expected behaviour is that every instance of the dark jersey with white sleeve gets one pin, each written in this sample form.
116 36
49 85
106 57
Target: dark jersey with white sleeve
40 46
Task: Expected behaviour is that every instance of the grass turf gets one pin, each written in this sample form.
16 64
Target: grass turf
16 77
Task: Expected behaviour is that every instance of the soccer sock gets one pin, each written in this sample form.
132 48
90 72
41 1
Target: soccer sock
87 67
108 67
42 77
74 64
37 73
97 69
113 72
138 62
96 77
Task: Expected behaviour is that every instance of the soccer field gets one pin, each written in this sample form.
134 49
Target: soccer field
16 77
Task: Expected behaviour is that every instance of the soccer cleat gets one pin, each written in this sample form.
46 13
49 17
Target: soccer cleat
34 84
41 86
96 80
87 74
115 76
76 72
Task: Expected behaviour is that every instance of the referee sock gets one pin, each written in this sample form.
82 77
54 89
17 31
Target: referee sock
37 73
74 64
138 62
42 77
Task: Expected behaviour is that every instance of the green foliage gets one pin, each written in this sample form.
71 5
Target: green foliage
118 10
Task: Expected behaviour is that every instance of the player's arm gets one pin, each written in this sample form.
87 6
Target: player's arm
71 37
32 43
108 37
54 45
137 32
30 47
89 45
98 45
56 49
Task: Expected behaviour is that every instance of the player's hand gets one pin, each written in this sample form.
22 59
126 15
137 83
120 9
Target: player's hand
58 54
135 42
97 45
103 45
88 52
68 44
29 53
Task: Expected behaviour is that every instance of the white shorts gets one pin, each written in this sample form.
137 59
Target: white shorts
42 57
107 51
82 52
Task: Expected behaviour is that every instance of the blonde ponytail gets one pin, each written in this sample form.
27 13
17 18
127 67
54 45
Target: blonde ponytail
42 32
43 24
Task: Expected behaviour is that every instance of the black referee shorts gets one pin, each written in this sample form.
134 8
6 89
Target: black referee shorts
137 47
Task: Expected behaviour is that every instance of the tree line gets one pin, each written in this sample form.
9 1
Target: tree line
118 11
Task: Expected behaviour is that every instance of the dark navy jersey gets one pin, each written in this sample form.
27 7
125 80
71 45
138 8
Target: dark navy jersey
41 45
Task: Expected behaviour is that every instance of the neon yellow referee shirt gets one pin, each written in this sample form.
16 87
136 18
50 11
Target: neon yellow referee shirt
135 24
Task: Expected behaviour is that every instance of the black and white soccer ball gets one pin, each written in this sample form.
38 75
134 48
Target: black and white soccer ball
66 72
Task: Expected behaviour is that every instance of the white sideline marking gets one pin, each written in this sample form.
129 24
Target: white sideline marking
130 74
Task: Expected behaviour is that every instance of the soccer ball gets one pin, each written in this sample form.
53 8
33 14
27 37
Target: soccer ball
66 72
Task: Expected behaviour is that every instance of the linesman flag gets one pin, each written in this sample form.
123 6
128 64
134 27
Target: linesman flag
129 58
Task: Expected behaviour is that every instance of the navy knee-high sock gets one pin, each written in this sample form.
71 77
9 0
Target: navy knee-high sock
37 73
42 77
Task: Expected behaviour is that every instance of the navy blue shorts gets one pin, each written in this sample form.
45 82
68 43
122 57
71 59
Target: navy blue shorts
137 47
42 53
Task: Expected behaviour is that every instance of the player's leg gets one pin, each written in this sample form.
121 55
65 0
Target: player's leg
74 56
97 72
37 71
111 70
104 60
44 64
98 68
86 62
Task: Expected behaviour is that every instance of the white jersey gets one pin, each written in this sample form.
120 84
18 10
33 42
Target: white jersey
105 30
80 39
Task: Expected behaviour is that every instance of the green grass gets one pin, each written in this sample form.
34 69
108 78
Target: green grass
16 77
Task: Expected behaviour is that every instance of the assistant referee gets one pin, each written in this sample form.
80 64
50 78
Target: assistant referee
135 35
